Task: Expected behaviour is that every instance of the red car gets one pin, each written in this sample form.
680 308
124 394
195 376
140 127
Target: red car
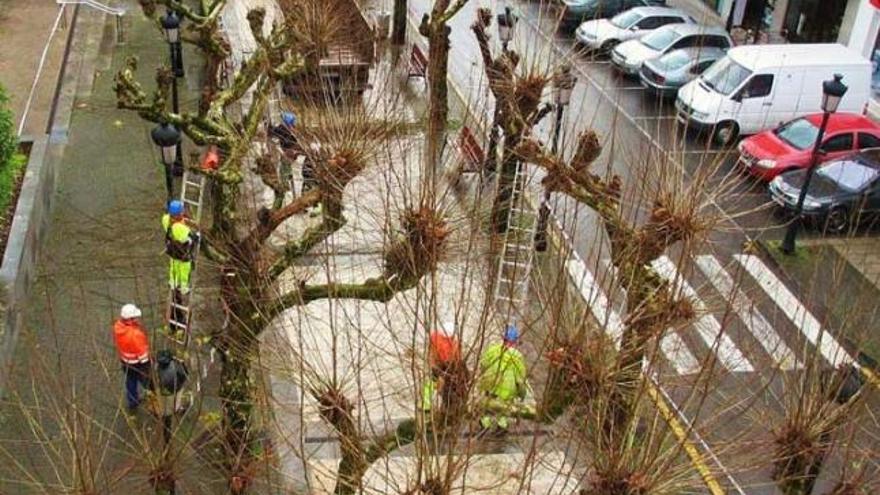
788 147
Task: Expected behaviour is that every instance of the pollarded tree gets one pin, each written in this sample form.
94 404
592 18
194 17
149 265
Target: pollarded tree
238 237
674 215
435 28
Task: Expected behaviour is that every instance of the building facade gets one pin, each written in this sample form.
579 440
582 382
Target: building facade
854 23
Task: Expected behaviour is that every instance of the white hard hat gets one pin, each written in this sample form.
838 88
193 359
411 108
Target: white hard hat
447 328
130 311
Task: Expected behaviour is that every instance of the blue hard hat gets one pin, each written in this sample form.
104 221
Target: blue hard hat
175 208
511 334
288 118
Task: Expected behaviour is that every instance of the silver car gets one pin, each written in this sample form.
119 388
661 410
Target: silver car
629 55
605 34
664 75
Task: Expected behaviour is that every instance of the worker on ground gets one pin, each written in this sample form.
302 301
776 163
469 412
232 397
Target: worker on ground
502 378
444 356
133 350
180 242
171 375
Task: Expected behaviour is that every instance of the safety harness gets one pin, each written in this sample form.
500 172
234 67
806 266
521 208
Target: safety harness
181 251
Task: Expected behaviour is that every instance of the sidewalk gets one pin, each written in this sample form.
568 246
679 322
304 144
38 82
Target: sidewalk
104 249
26 26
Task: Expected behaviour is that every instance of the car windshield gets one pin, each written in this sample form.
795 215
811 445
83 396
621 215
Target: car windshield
660 39
674 60
625 20
849 175
799 133
725 75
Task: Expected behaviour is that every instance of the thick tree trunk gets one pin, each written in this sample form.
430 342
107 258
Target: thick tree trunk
504 200
236 397
438 104
398 31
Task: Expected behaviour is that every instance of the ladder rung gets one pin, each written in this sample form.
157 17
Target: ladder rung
177 323
180 307
192 202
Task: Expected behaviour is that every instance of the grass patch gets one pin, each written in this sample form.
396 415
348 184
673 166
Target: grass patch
10 175
10 180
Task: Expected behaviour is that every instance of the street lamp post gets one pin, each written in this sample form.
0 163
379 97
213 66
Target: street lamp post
832 92
563 85
171 25
167 138
506 23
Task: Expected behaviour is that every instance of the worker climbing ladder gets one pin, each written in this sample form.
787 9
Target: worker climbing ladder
192 193
517 252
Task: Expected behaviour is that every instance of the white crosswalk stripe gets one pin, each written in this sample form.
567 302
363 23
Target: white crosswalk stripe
674 348
795 310
754 321
595 297
672 345
677 352
706 325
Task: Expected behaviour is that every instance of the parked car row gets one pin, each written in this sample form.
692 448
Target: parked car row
771 92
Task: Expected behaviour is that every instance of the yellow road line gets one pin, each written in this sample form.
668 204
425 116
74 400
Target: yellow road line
681 433
870 376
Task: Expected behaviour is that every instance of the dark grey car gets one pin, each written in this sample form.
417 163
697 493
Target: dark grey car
664 75
842 192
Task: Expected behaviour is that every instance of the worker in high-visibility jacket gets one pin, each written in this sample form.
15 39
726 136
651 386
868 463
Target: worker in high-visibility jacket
180 241
444 355
133 350
502 377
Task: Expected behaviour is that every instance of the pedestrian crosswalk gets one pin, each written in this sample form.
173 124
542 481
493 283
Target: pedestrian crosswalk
795 310
732 328
706 325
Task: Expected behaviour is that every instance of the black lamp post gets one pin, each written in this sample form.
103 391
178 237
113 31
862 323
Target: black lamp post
167 138
171 25
506 23
832 92
563 85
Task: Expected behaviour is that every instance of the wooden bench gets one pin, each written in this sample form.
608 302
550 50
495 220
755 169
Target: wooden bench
471 151
418 63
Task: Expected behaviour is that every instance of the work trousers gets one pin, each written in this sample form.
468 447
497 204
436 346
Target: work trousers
178 275
135 375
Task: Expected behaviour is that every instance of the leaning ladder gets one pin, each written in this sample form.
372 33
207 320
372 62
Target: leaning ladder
192 192
517 252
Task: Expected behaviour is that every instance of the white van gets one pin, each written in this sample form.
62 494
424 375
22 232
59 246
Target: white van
757 87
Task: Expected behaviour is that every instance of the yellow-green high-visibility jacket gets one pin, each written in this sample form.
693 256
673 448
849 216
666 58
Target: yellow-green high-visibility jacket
178 244
503 372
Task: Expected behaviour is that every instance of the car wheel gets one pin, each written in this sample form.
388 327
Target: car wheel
725 134
608 46
837 220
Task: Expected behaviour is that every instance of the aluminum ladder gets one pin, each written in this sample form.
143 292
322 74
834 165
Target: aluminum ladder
517 252
192 193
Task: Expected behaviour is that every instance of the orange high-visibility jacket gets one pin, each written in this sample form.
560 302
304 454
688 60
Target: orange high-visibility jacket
444 349
131 341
